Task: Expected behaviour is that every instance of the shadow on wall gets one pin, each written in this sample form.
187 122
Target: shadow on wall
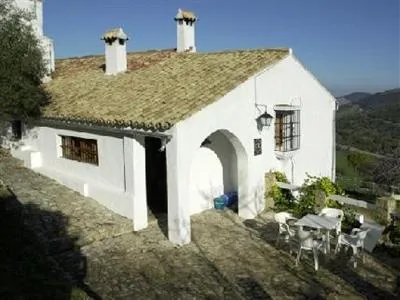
39 260
226 153
214 170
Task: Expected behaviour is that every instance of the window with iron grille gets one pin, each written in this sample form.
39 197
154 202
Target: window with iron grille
287 130
79 149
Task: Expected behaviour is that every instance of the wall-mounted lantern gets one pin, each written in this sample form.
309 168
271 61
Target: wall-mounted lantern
265 119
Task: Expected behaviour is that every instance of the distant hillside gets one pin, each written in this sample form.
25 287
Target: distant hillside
371 123
342 101
350 98
357 96
379 100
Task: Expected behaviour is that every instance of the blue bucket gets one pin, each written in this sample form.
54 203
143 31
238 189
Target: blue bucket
225 198
230 198
219 203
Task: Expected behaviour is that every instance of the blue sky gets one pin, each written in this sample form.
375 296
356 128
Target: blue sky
350 45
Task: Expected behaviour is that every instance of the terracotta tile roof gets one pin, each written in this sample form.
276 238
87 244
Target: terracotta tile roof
159 89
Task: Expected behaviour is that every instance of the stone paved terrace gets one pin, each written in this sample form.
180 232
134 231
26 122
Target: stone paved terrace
86 218
228 259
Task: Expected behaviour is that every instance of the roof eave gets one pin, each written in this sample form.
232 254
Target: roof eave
116 126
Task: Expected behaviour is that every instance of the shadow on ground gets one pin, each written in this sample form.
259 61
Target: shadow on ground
338 265
38 259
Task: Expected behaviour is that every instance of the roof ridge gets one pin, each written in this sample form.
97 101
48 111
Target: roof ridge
130 52
284 49
190 53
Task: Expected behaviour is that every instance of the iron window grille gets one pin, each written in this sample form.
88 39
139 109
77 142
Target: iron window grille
287 130
79 149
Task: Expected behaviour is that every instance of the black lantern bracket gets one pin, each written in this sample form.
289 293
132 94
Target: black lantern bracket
264 119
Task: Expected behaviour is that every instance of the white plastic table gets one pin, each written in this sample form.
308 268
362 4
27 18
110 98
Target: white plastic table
319 222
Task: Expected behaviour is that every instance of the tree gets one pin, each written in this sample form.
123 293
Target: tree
388 170
21 64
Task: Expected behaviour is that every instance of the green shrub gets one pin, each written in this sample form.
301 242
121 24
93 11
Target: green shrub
323 184
306 204
349 219
333 204
280 176
313 185
312 188
309 192
283 198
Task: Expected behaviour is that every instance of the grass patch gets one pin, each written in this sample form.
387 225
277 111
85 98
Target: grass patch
343 168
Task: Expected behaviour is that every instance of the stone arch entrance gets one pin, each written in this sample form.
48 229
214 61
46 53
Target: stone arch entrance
219 166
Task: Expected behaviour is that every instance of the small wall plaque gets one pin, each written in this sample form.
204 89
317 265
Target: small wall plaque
257 147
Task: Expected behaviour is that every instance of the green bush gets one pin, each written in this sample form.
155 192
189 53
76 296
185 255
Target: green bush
313 185
333 204
312 188
349 220
283 199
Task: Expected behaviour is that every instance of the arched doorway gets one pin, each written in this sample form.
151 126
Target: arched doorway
219 166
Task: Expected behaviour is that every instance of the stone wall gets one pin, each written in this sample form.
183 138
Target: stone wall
388 205
270 180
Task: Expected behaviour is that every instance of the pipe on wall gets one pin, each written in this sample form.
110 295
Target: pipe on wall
333 170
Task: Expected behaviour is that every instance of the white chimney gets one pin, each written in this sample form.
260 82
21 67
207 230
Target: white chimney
185 21
116 61
35 8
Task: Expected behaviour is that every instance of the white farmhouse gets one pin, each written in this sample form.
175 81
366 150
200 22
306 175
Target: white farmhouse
171 130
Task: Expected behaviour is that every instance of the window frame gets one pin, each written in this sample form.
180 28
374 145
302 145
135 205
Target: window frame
79 149
287 130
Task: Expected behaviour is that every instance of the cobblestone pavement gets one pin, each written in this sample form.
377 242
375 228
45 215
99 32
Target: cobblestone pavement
85 218
228 258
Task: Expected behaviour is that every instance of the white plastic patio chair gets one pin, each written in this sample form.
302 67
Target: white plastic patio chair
333 213
310 243
284 228
355 240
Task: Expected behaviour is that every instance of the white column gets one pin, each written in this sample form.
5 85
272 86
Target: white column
178 162
135 179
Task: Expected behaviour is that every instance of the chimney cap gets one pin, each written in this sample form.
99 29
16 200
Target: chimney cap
114 34
185 15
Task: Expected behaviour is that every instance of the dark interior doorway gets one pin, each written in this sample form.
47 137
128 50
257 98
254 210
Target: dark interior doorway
156 177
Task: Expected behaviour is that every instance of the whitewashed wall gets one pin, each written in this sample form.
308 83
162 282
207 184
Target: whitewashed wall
212 172
109 182
285 83
289 83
